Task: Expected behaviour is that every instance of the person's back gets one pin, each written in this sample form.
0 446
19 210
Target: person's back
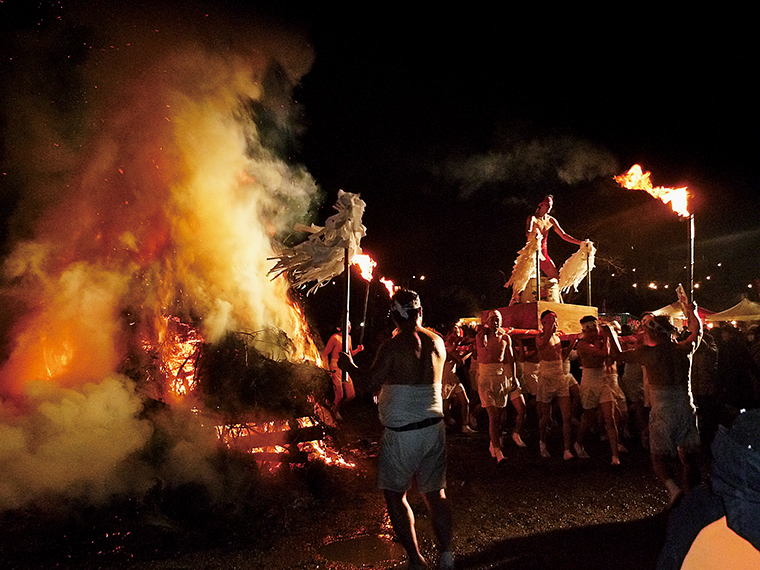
409 370
416 356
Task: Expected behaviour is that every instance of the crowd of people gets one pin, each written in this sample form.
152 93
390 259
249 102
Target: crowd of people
672 392
645 383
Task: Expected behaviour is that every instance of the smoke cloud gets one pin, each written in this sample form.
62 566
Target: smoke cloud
565 159
145 150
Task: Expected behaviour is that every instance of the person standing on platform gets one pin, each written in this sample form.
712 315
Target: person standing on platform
542 222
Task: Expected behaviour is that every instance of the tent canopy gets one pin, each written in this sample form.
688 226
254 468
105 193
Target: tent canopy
744 310
675 312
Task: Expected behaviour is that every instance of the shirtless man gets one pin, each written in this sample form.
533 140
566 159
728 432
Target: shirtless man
454 393
497 382
541 221
552 383
596 393
408 369
344 391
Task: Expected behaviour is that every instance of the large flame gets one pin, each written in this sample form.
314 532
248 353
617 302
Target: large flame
169 210
636 179
152 188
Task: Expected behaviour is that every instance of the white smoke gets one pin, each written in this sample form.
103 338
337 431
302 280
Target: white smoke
146 189
566 159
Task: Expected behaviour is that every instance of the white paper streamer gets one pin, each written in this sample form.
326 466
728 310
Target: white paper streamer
322 256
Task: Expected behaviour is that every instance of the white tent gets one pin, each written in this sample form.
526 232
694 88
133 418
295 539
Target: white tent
675 312
745 310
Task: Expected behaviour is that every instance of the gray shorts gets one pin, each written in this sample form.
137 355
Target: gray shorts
416 454
672 422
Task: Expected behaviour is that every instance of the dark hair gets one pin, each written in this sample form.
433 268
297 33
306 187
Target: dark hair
661 326
548 196
408 302
547 312
588 319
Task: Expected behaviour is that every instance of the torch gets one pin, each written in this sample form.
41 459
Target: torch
636 179
389 285
366 266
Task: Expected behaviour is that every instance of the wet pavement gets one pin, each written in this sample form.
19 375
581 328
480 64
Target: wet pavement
528 513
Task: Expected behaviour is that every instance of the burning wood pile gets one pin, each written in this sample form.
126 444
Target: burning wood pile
272 408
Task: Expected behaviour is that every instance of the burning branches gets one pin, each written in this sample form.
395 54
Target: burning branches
235 379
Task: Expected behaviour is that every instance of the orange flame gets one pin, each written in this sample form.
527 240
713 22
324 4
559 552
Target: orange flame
636 179
389 285
365 264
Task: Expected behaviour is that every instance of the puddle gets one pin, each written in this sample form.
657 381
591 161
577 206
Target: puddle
363 550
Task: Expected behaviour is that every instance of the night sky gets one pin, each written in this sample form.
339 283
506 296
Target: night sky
453 123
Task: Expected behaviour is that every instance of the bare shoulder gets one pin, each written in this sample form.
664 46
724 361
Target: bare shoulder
434 337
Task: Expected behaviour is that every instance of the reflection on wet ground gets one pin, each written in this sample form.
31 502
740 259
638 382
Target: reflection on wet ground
363 550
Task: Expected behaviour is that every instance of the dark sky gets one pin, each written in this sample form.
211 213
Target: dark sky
452 123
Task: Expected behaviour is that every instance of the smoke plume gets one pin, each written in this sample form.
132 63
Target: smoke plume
533 163
144 151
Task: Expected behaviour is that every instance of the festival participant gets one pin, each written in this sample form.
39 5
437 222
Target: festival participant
632 384
408 369
620 404
470 334
596 393
753 343
738 373
673 429
553 383
704 388
575 389
344 391
497 382
543 222
454 393
526 365
538 227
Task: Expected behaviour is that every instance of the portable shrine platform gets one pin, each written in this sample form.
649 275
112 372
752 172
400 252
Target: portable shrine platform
528 315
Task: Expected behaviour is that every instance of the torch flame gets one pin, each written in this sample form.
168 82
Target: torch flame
636 179
389 285
365 264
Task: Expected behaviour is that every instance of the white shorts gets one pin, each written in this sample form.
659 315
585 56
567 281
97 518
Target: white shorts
594 388
552 381
494 388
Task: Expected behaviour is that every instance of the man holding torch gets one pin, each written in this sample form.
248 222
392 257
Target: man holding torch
673 434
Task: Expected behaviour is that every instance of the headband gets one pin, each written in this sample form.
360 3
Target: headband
655 326
589 325
402 309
